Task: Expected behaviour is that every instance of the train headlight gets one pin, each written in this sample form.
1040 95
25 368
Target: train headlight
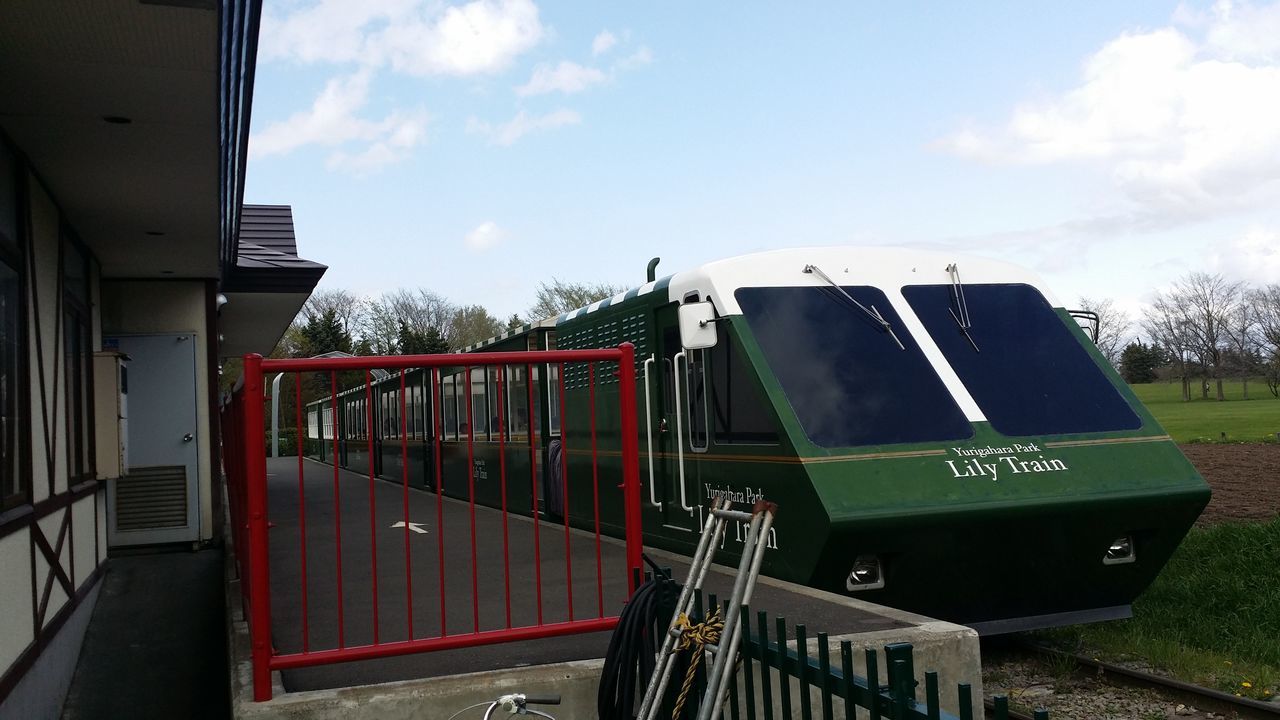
867 574
1119 551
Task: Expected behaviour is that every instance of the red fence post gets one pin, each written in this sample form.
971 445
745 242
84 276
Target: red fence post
255 474
630 461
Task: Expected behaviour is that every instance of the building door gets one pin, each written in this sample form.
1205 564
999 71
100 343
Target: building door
157 499
675 464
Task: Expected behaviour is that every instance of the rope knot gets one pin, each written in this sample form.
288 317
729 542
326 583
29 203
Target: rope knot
696 636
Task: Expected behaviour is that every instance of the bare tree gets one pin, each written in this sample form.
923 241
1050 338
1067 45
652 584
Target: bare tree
419 310
1114 325
1265 302
1241 329
1165 324
1192 319
350 309
560 296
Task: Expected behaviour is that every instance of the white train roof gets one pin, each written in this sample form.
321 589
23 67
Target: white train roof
889 269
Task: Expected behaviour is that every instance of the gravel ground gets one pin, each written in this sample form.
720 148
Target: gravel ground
1244 478
1032 683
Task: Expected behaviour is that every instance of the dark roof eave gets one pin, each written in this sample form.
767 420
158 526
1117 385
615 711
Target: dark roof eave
274 279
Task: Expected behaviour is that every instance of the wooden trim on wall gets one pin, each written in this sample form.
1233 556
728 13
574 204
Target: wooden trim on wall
20 667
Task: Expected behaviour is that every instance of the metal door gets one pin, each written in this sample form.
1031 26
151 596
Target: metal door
675 464
157 499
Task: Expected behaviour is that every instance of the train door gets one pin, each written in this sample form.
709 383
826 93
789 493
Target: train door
676 446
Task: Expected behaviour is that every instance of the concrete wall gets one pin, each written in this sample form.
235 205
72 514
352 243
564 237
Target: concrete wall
141 307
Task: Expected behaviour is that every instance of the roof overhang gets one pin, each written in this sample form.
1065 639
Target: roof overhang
268 284
118 105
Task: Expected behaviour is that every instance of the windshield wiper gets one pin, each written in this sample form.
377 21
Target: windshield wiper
873 313
957 296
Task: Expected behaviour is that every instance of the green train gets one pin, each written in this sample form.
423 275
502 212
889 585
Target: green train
939 433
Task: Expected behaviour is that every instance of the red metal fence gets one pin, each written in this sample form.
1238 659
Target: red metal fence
245 463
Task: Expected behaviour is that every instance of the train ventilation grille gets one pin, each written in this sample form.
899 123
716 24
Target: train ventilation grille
152 497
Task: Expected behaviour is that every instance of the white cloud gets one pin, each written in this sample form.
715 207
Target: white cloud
486 235
416 37
1183 127
1253 257
642 56
522 124
1245 31
333 121
567 77
603 42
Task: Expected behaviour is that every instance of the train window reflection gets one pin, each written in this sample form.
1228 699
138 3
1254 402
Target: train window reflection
450 409
1028 351
695 387
518 403
847 384
479 406
739 412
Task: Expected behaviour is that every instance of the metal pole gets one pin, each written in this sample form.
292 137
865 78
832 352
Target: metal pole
255 462
630 461
275 416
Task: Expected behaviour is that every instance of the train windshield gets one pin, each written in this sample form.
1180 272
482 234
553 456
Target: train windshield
846 379
1030 373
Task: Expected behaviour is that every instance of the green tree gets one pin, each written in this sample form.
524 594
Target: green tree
420 342
1138 362
472 324
324 333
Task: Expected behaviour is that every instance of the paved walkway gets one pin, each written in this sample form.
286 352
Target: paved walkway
156 644
361 530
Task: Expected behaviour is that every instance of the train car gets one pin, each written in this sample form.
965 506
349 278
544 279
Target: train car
938 432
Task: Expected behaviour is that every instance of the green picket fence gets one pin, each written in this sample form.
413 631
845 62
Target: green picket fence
776 682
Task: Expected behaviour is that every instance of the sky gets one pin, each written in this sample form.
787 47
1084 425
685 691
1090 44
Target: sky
478 148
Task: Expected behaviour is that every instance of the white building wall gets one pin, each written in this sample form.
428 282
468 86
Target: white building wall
17 621
39 628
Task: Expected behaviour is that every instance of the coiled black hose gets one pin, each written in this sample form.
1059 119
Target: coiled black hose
630 660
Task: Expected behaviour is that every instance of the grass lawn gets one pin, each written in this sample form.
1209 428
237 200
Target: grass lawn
1212 617
1253 420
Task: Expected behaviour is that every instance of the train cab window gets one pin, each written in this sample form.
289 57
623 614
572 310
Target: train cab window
739 413
696 388
1024 350
847 380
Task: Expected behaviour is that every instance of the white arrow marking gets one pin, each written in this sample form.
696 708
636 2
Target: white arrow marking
416 527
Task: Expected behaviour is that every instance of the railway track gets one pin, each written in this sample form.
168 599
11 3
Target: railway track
1203 699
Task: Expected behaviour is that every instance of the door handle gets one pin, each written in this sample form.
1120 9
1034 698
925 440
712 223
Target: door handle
187 438
684 500
648 431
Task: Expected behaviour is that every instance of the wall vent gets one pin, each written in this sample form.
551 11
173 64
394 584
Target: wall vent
149 498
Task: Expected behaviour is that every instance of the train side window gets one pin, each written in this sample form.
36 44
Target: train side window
553 399
739 413
695 369
518 402
479 405
496 428
450 408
